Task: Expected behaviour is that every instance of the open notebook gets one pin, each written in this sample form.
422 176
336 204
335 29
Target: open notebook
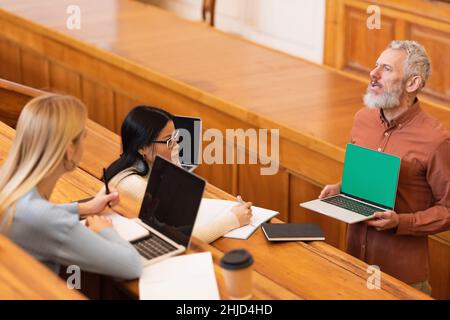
212 208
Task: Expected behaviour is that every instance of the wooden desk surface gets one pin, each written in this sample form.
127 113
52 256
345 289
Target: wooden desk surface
311 104
281 271
22 277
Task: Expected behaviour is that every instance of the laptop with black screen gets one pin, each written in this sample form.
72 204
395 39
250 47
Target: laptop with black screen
168 211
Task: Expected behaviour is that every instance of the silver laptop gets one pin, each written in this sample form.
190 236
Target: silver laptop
168 211
369 184
190 134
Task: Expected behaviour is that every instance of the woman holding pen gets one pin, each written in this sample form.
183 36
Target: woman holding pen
147 132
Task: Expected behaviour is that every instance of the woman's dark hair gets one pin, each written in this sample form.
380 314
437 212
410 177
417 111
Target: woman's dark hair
141 126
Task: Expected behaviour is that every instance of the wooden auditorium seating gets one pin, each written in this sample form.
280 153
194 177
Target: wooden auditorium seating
231 83
282 271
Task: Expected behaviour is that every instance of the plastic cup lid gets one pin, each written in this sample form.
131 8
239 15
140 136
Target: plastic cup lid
236 259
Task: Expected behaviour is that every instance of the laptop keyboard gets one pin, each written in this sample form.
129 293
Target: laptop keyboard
352 205
153 246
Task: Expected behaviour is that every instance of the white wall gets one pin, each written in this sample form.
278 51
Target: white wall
293 26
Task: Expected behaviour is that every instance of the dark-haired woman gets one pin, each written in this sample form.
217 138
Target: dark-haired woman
147 132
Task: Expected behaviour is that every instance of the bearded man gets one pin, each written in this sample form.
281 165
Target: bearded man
393 122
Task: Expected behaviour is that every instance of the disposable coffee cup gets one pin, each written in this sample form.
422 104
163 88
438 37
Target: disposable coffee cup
237 272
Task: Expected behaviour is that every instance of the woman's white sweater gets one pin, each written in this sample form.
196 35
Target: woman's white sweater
132 187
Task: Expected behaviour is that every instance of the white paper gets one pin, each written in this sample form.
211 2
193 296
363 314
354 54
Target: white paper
186 277
128 229
210 209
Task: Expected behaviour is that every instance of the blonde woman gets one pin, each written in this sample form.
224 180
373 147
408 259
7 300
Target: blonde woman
49 142
147 132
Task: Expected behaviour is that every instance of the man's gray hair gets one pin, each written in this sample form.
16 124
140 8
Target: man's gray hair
417 62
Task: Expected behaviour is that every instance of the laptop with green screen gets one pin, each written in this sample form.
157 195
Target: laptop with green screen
369 184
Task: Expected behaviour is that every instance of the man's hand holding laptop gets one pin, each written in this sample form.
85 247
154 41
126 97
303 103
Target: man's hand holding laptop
368 186
382 220
330 190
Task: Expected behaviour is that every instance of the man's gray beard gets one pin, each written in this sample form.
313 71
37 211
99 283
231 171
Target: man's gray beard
386 100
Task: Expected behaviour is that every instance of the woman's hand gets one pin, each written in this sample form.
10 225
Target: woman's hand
99 202
330 190
98 223
243 213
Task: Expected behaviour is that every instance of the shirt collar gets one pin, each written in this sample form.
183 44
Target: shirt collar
403 118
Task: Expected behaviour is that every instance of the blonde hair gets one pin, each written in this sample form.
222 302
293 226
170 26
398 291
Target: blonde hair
46 127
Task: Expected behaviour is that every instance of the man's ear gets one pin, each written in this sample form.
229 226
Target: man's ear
413 84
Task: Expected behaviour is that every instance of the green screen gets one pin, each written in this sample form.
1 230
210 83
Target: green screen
370 175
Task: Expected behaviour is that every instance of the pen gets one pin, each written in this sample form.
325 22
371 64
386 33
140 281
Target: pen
106 185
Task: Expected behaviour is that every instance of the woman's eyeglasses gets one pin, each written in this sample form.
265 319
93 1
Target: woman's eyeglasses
171 141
